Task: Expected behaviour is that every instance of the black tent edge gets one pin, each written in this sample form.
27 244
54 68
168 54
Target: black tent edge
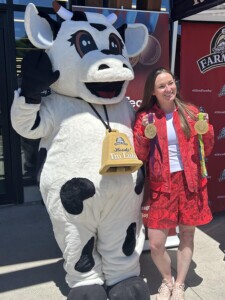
178 13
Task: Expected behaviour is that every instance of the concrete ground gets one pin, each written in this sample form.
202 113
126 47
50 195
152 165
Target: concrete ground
31 267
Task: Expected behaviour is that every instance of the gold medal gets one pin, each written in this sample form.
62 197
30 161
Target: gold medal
201 126
150 131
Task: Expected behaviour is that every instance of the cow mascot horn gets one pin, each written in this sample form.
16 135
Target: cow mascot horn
82 60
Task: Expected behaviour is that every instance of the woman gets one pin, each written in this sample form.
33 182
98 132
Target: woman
177 194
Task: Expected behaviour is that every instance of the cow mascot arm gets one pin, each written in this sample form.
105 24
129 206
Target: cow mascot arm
37 75
96 217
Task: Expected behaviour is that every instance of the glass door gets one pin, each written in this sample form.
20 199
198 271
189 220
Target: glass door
10 162
3 89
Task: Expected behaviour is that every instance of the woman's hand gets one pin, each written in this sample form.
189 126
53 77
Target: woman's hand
145 120
206 117
148 119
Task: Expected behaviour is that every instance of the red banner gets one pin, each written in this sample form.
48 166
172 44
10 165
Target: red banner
155 55
202 82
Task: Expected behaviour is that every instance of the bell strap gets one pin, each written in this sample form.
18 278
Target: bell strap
107 126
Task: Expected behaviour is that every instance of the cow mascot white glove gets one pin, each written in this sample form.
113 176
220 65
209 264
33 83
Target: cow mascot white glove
96 218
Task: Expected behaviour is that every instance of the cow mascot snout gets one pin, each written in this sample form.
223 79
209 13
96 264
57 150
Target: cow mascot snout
96 217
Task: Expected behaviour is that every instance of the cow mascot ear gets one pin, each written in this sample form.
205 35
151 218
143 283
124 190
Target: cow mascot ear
38 29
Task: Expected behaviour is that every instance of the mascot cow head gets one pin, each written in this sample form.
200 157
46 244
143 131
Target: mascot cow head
91 55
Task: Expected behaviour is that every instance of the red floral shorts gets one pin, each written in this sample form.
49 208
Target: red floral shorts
180 207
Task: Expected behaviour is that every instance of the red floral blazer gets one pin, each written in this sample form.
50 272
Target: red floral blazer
154 152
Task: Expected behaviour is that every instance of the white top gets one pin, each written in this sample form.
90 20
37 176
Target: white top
173 147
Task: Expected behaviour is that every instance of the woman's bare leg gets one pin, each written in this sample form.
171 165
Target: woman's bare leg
185 251
160 257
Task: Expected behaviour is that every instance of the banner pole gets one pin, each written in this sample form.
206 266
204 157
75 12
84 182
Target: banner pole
174 46
173 239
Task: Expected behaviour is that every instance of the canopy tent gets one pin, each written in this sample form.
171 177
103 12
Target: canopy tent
215 14
181 9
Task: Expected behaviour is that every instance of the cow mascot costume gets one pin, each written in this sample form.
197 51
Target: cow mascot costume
96 217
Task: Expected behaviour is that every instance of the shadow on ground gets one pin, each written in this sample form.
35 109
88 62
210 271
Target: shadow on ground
154 278
27 237
213 229
29 254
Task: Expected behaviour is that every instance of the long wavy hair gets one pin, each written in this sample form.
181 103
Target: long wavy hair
149 100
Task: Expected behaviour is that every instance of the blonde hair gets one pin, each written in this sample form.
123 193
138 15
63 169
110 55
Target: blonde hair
149 100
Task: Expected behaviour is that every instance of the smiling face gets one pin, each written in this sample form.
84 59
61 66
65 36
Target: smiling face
165 91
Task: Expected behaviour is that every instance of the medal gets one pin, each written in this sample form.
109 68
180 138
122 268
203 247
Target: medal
150 129
201 126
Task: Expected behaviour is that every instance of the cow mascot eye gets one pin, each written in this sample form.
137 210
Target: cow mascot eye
115 44
83 42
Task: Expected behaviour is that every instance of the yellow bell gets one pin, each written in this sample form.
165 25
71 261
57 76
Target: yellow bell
118 156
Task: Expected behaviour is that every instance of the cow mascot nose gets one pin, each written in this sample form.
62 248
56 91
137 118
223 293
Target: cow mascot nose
83 61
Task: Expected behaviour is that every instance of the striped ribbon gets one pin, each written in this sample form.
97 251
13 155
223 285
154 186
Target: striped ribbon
202 150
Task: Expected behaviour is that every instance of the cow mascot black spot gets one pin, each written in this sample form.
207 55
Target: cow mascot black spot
96 217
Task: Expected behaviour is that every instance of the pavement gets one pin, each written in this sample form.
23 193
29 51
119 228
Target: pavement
31 265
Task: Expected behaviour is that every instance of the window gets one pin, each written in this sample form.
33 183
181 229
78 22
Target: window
44 3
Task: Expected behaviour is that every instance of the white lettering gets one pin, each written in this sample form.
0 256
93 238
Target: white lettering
129 155
201 91
136 103
210 62
219 112
203 63
144 215
198 1
115 156
217 58
132 102
123 155
146 207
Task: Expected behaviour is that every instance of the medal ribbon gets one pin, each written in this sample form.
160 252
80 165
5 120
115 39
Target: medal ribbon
201 116
154 146
154 143
202 150
150 118
107 126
